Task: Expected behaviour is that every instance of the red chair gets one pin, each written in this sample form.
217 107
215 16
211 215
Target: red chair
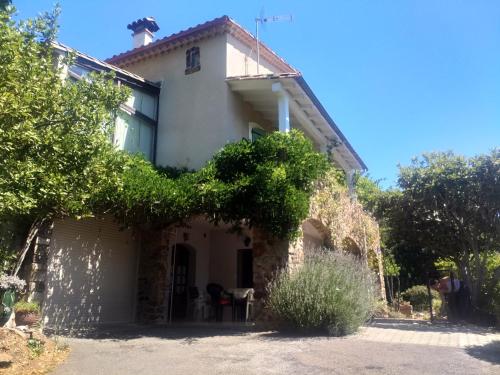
219 300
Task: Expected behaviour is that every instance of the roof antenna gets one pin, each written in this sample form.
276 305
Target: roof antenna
262 20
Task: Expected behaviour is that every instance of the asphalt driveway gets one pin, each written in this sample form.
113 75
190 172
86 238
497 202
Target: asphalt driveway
385 347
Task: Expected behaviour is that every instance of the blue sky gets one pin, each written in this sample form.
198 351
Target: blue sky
399 77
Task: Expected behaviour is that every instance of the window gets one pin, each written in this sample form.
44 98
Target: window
256 131
136 121
143 102
135 124
192 60
134 135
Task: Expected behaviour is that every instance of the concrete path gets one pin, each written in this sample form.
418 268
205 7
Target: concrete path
385 347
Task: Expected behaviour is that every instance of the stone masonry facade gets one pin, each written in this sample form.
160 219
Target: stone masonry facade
154 278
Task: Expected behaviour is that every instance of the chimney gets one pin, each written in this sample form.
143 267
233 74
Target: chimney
143 30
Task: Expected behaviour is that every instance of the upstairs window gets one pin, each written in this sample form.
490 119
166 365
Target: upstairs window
256 132
192 60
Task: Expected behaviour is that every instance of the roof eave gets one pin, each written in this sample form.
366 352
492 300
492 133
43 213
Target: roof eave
303 84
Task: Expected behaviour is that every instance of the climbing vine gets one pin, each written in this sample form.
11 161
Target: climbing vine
267 183
349 227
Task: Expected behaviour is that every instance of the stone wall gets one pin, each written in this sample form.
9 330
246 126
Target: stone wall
35 267
270 255
153 276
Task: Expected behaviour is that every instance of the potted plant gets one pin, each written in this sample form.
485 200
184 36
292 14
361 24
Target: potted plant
27 313
9 285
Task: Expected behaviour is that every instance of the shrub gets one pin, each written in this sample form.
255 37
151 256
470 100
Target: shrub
26 307
332 292
418 297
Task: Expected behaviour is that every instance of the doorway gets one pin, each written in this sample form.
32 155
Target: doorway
183 271
245 268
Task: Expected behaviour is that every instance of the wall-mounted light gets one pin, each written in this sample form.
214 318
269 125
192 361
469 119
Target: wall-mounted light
247 241
185 236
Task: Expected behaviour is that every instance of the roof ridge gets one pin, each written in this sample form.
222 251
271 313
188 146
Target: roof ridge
219 21
213 22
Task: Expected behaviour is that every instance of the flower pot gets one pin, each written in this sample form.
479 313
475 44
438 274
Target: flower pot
27 318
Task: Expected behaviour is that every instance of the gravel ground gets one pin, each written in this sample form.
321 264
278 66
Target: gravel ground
386 347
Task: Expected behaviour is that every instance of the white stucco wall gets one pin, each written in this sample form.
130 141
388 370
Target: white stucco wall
192 107
242 60
198 112
91 274
223 257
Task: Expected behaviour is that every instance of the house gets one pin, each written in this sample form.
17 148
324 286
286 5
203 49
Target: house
193 92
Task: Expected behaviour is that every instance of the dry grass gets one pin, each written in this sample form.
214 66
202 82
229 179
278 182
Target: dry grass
17 358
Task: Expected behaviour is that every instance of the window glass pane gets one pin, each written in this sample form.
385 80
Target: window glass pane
142 102
148 106
134 99
134 135
257 133
120 130
196 57
78 72
146 140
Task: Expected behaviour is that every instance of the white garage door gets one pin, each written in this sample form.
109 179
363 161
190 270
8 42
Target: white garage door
91 274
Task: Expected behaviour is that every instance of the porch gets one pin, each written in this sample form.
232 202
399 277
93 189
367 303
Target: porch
92 272
176 266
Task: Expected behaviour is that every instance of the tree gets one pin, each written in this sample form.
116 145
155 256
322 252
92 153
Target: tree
449 206
55 155
4 4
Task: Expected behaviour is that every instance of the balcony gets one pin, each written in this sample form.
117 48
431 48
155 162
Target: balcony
287 100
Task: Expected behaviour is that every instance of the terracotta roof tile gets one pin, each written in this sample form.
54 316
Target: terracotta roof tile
224 23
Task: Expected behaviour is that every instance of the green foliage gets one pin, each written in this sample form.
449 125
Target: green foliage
331 292
419 298
447 207
266 183
489 300
25 307
55 152
446 265
391 268
368 192
4 4
55 155
36 347
12 233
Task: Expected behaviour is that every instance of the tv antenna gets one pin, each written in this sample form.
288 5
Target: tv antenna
262 20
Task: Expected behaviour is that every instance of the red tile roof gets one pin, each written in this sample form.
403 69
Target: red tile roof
216 26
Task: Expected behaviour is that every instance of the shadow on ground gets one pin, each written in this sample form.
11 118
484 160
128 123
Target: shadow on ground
427 326
489 352
167 332
192 332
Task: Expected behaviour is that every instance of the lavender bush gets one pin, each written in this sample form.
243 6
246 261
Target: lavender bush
332 292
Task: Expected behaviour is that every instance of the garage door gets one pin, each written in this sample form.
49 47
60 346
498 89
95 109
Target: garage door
91 274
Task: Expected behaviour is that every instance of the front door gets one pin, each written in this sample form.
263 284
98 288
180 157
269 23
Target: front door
180 263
